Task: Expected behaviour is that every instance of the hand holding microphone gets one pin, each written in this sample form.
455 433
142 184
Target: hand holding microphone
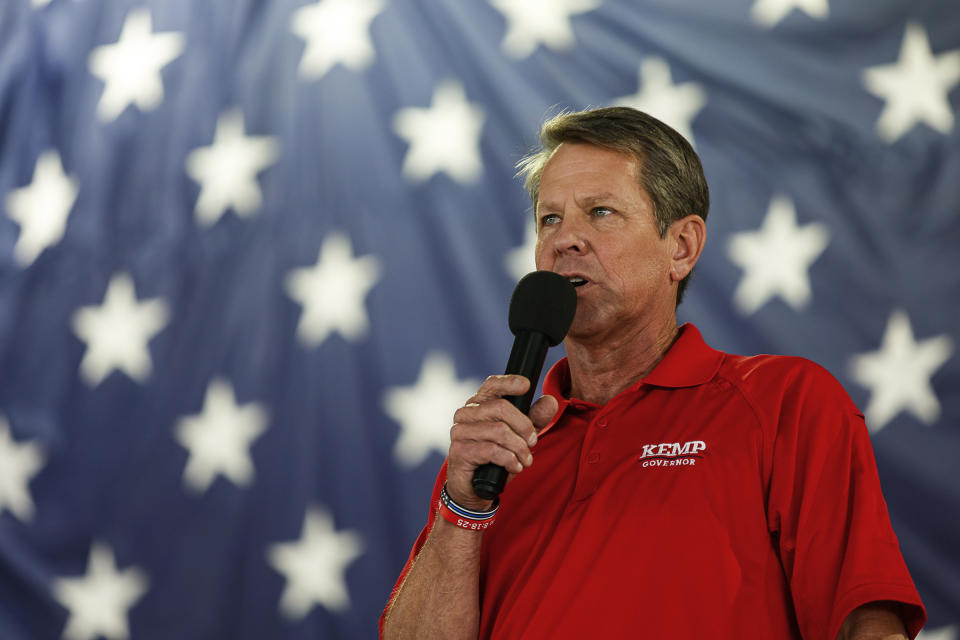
492 434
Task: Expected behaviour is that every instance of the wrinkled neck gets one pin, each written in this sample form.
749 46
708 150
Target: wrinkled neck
599 371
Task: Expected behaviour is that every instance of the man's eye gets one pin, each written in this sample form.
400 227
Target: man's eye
601 211
550 219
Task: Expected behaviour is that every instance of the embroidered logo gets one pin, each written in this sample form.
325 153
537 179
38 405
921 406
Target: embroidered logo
672 454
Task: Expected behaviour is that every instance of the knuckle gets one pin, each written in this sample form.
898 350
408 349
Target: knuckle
493 453
504 410
508 460
460 415
507 437
521 450
455 451
509 440
501 431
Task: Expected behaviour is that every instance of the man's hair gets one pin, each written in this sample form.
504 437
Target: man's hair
670 171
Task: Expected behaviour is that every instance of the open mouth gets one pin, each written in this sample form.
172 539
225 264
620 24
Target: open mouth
577 281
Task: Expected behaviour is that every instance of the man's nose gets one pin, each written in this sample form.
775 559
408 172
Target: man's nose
571 237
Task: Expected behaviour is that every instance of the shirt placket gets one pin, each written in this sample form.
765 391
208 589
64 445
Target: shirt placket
592 465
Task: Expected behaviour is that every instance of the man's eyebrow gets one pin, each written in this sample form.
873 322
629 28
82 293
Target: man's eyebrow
588 200
604 196
543 204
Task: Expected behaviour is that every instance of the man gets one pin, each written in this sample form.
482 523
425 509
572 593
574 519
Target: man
678 492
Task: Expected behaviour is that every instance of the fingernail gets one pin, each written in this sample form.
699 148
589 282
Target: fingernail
532 439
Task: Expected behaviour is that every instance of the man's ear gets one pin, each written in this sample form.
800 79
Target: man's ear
688 236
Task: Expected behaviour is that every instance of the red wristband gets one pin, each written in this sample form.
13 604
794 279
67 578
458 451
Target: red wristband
463 523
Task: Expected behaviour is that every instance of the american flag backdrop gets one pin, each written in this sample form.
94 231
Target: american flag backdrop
253 253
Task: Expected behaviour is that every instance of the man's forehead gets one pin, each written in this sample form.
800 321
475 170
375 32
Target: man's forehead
593 173
583 155
588 148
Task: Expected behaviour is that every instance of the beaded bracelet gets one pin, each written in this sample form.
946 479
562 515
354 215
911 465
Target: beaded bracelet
463 517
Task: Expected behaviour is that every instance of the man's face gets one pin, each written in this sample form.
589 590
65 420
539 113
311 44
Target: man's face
596 223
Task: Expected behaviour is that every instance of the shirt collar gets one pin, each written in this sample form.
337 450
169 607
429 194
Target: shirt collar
688 362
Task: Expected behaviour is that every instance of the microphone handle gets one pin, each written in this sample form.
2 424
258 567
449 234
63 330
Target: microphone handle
526 359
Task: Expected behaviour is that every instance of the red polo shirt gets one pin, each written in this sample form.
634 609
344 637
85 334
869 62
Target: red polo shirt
721 496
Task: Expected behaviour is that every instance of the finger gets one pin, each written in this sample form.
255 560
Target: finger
498 433
500 386
497 410
543 411
469 455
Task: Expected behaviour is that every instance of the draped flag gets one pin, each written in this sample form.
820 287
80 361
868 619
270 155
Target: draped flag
254 253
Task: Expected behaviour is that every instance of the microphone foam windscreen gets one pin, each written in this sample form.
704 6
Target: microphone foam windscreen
544 302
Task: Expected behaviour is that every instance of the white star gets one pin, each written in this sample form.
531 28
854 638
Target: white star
531 22
770 12
314 565
677 105
41 208
130 68
425 409
332 292
336 31
915 88
219 438
942 633
227 169
18 464
520 261
776 257
117 332
443 137
99 602
898 374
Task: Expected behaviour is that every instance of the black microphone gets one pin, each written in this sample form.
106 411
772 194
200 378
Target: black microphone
541 312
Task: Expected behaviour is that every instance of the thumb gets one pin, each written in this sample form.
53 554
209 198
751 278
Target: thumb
543 411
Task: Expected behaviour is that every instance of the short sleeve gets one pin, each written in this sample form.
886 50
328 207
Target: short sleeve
827 513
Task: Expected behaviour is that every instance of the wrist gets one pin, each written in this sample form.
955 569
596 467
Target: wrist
470 501
465 517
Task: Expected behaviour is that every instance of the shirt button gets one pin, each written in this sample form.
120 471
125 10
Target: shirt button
593 458
602 423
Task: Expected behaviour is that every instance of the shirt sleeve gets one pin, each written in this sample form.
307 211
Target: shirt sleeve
418 545
826 510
